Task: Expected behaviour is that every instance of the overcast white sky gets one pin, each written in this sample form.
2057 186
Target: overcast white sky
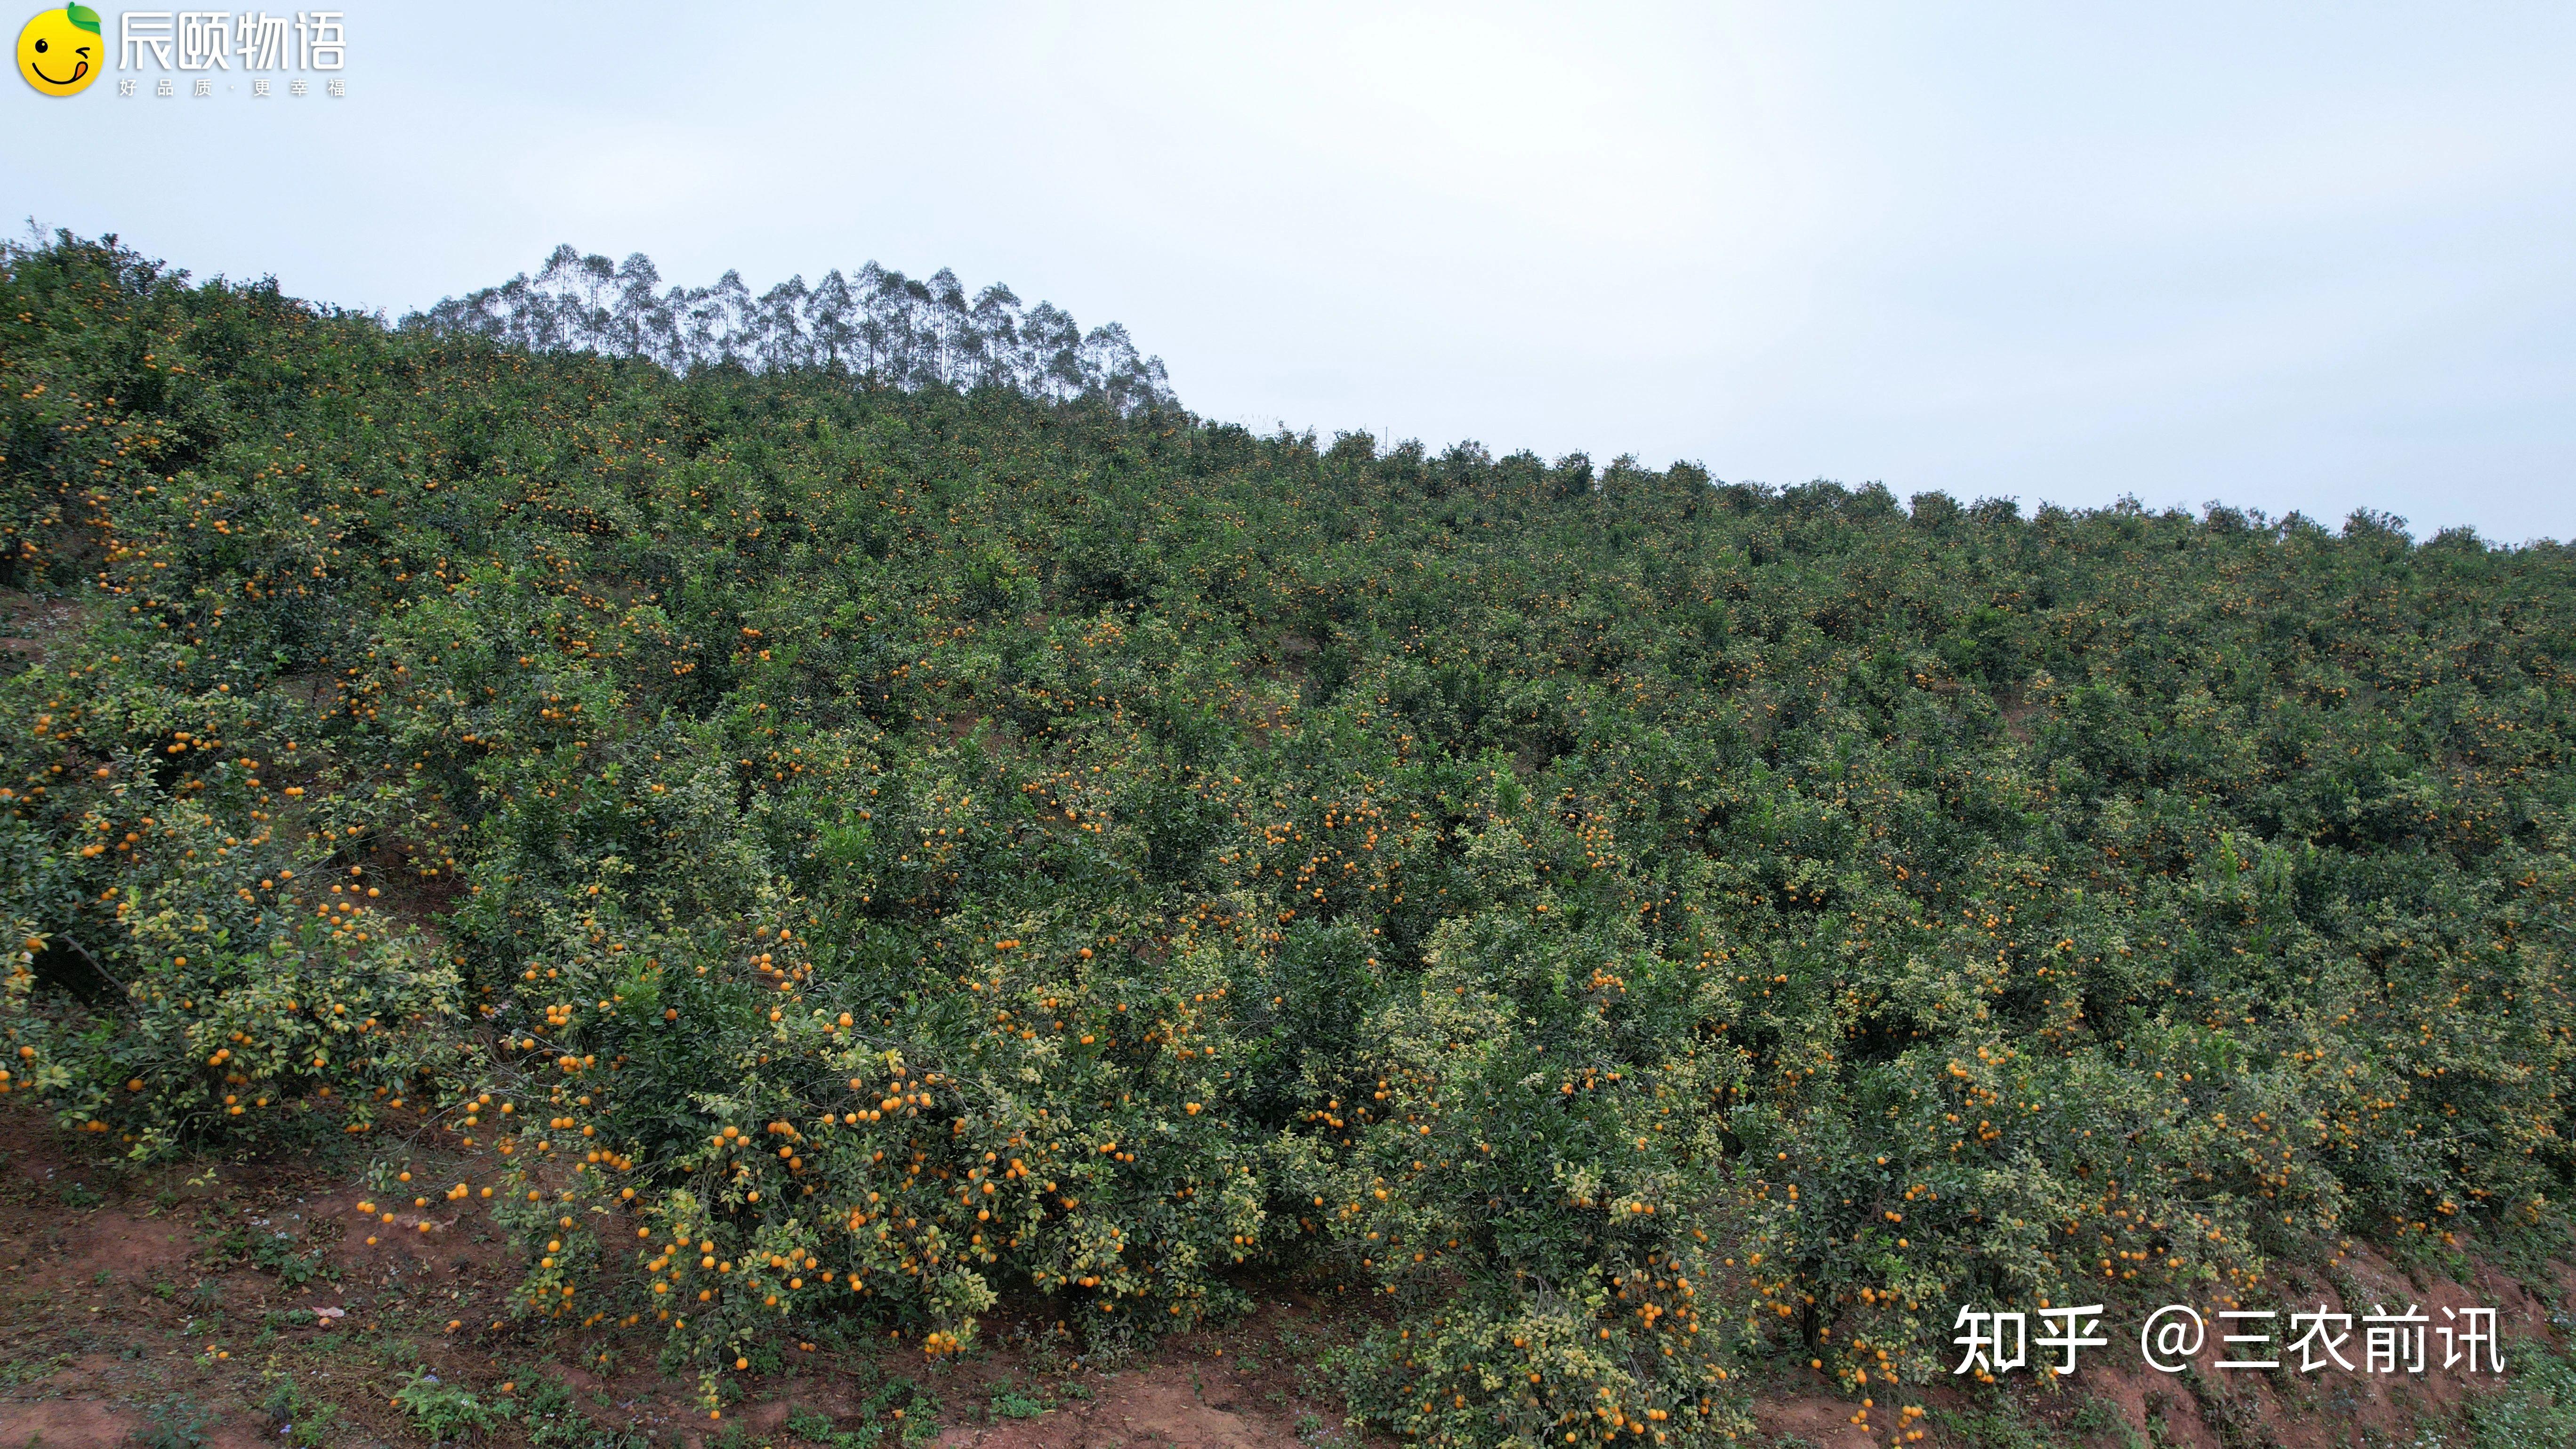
2288 256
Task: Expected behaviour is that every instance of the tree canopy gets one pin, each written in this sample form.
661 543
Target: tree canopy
862 824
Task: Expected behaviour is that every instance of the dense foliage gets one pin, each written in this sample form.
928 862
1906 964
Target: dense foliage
859 850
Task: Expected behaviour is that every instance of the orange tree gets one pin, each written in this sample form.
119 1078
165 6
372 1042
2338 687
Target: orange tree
857 850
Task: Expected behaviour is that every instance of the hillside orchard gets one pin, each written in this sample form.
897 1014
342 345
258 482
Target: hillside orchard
856 847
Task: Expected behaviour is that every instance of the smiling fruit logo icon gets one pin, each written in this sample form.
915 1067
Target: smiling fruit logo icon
58 52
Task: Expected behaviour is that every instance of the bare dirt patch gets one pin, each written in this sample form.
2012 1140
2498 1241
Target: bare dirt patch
1158 1406
66 1421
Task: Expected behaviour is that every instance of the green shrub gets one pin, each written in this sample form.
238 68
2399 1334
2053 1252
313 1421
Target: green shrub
304 1419
447 1412
2537 1404
855 851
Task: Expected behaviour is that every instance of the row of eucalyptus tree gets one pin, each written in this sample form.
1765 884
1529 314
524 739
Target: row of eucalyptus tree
879 324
